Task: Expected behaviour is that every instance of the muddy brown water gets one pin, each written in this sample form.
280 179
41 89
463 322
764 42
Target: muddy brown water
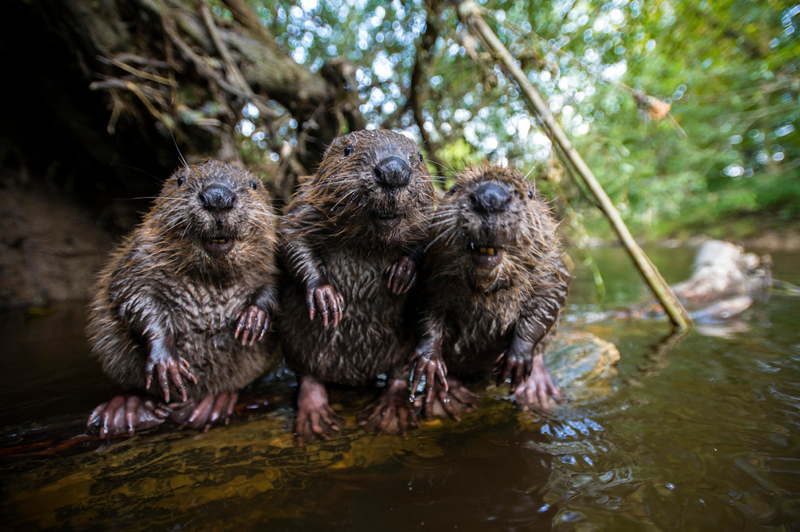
698 433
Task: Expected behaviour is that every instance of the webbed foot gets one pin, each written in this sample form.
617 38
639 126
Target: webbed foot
200 415
452 402
535 392
392 412
126 414
315 417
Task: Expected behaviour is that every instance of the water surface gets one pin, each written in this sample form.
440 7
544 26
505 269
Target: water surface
698 433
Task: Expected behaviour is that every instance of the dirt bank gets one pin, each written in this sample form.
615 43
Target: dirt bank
49 249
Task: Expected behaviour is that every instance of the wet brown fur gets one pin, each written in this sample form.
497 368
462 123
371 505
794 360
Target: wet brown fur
162 276
478 312
329 230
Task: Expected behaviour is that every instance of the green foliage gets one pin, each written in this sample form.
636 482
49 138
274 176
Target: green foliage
728 68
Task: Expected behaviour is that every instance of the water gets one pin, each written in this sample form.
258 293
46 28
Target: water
698 433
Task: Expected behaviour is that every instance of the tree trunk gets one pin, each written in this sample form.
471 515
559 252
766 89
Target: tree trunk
123 84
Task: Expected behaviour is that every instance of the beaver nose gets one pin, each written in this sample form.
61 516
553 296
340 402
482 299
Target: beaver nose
489 199
217 198
392 172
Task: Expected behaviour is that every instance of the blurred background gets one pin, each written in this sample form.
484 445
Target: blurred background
684 110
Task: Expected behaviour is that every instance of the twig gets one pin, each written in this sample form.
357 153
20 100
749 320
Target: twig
234 74
126 84
139 60
247 17
131 86
115 112
204 69
136 72
644 102
427 40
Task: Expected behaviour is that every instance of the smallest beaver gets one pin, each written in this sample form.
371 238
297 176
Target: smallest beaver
496 285
172 303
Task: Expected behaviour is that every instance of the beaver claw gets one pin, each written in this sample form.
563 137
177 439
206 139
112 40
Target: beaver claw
324 299
315 417
427 360
212 409
402 275
168 367
535 392
392 413
126 414
253 321
453 403
516 362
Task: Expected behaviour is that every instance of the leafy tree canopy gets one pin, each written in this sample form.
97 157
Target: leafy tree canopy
727 68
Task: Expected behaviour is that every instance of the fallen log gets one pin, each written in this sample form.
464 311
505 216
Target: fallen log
724 281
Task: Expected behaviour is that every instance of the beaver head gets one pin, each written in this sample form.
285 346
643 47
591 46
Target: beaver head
374 187
492 229
212 218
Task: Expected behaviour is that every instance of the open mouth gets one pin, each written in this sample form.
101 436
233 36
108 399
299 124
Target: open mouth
218 246
386 220
486 258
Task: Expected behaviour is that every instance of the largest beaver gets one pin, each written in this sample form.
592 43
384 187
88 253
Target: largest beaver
495 287
198 272
351 241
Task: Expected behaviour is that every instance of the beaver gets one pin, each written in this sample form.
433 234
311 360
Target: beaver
187 300
352 242
495 286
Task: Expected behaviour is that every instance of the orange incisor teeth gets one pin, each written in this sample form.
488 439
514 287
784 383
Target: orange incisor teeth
486 251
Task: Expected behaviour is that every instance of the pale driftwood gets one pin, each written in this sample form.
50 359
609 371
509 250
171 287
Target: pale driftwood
723 269
724 283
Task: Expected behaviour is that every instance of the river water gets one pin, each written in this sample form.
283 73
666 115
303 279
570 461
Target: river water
693 433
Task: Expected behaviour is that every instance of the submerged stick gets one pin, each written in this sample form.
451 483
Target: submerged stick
470 12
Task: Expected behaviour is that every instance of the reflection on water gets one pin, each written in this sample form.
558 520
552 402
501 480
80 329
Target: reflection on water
694 433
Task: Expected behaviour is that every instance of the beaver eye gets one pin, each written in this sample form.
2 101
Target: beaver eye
530 194
421 158
452 189
347 151
181 179
253 185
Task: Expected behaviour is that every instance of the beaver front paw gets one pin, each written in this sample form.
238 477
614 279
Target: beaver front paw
126 414
323 298
427 360
168 368
253 321
402 275
391 413
201 415
516 362
535 392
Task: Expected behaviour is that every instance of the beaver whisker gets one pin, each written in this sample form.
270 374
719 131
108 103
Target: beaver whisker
347 196
442 220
